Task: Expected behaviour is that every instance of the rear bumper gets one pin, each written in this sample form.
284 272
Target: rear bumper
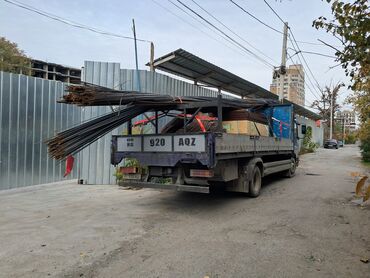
177 187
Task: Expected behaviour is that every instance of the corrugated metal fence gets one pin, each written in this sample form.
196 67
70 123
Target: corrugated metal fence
29 115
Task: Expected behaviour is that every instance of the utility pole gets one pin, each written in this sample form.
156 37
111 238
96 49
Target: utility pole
129 123
136 60
152 57
331 115
282 70
151 64
344 129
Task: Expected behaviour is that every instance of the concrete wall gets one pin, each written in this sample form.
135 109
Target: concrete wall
317 132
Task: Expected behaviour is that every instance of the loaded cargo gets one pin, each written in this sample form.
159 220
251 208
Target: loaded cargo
232 153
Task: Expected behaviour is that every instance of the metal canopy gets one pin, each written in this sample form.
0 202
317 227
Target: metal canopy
187 65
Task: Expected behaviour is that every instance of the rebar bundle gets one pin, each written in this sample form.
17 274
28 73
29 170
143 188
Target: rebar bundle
92 95
72 140
75 139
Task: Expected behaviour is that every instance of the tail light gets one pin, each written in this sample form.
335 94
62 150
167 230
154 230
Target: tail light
201 173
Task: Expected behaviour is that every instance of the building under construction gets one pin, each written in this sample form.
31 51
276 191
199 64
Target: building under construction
52 71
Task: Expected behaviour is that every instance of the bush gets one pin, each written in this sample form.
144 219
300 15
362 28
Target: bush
118 174
364 136
351 138
308 146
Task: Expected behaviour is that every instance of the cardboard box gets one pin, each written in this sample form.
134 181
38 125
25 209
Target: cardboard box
263 129
245 127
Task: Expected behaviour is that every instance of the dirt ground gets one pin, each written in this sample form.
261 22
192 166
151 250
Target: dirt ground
306 226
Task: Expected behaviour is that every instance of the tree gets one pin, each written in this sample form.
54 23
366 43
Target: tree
12 59
351 26
364 135
323 105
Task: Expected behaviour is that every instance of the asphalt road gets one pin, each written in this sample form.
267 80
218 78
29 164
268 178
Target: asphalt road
306 226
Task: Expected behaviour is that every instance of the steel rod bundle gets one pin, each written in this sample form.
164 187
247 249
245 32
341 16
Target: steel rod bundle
76 138
91 95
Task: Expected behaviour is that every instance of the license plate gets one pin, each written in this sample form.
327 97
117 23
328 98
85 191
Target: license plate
129 144
189 143
157 144
162 143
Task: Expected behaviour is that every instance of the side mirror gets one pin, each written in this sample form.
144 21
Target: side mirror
303 129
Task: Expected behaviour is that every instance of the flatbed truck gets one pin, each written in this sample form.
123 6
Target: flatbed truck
200 161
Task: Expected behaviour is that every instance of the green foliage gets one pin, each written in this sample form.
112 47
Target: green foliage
162 180
118 174
351 138
351 26
12 59
364 135
308 146
131 162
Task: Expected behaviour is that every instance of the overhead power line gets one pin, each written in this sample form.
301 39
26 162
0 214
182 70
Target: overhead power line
307 76
251 15
195 27
317 53
311 52
206 26
306 84
298 50
232 31
227 36
69 22
304 60
279 17
274 11
313 43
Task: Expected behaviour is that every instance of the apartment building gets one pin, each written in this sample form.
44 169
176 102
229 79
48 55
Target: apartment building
294 88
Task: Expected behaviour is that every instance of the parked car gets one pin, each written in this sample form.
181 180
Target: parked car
340 143
331 143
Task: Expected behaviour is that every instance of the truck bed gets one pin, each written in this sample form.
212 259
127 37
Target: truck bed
206 148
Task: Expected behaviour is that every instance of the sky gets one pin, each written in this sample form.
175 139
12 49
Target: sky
169 28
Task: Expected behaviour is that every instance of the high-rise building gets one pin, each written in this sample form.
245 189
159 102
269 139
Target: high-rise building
349 118
294 89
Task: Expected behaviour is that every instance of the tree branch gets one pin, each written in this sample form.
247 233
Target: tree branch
329 45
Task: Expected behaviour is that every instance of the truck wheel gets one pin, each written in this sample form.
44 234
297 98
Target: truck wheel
255 183
291 172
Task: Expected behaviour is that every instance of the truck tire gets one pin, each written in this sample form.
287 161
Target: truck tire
255 182
291 172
